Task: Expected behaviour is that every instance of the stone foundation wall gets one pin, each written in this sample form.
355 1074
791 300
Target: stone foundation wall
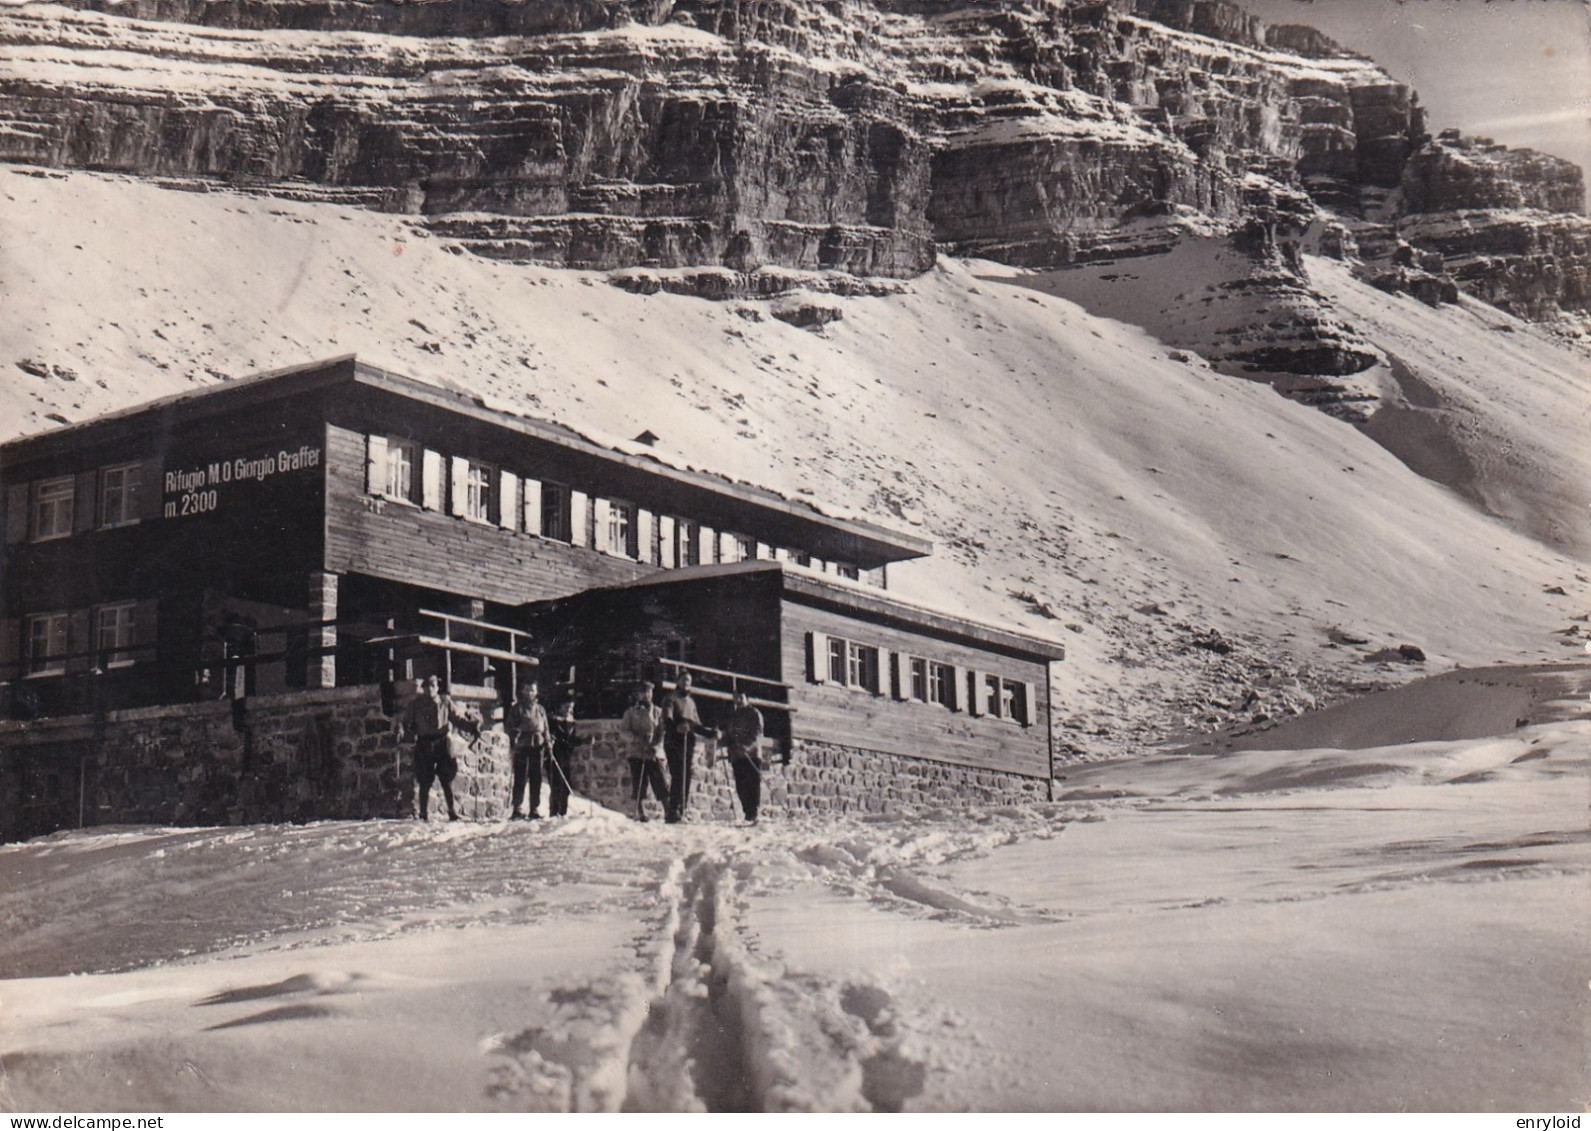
297 757
335 754
821 777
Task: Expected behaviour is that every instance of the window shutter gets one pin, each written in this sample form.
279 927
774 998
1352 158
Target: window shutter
10 649
817 657
726 547
531 489
459 473
376 465
646 536
891 676
599 524
974 682
16 513
508 507
668 551
146 489
1030 704
83 501
958 687
580 518
431 477
79 638
706 545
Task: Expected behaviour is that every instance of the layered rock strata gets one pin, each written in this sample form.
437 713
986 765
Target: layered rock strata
850 135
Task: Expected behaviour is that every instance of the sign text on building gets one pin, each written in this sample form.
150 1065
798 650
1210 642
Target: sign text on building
196 489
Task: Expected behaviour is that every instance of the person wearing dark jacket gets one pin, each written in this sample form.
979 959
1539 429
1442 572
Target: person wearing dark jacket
681 724
564 741
743 739
430 718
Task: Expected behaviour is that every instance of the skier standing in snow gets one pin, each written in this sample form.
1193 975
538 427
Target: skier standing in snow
564 741
430 718
743 738
530 740
643 725
681 724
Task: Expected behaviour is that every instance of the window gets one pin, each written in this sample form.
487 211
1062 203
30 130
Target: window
555 512
47 644
800 557
837 666
845 569
400 478
621 532
942 685
118 495
862 666
853 665
917 687
478 479
742 548
113 635
1015 703
994 701
690 544
52 508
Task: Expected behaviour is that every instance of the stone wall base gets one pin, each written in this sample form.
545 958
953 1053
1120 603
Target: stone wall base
335 754
302 756
820 777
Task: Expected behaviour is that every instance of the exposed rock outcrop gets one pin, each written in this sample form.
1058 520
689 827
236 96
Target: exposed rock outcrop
849 135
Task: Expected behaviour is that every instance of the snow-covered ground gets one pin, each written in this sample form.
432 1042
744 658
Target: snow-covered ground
1386 928
1333 922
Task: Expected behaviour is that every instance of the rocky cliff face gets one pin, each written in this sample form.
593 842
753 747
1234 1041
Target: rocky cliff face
853 135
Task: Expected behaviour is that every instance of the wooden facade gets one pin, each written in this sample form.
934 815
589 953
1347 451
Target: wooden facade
782 630
288 530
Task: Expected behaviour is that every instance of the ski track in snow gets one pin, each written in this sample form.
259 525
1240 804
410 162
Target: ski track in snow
706 1007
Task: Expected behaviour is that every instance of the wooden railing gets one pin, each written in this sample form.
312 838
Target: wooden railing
737 682
449 644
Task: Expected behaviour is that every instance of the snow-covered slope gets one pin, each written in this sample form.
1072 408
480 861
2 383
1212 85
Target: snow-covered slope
1193 537
1387 928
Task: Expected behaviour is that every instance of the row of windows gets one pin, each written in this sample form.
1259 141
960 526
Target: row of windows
877 671
53 508
406 472
51 637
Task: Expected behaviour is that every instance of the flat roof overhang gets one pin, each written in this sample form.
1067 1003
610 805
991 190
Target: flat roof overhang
719 502
855 599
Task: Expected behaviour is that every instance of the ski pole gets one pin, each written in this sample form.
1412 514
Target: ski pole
590 805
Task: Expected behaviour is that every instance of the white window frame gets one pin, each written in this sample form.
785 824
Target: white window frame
49 495
620 537
52 661
118 482
942 685
916 688
479 487
1014 696
400 476
117 651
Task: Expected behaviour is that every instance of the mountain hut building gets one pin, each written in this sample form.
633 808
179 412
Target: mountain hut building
332 533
